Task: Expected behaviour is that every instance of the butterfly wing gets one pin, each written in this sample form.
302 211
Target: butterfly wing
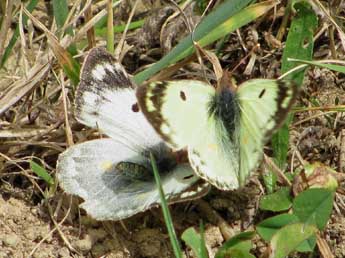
180 113
264 104
105 99
89 170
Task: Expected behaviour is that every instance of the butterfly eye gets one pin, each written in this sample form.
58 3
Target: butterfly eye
183 96
262 93
135 108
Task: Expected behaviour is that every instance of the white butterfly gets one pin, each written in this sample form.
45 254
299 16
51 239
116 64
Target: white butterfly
224 131
113 175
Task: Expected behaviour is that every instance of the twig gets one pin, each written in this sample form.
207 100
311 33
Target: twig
342 151
276 170
91 40
216 219
323 247
68 129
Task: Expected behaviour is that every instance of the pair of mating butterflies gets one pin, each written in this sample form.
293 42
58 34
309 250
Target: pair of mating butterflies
223 131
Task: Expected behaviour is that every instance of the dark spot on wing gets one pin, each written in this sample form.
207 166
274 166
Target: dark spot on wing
135 108
262 93
188 177
183 96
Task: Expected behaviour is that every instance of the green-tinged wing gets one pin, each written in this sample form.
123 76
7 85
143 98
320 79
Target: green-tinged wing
180 113
264 104
176 109
216 162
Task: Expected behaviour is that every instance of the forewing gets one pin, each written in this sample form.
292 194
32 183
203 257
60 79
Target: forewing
176 109
264 105
105 99
89 170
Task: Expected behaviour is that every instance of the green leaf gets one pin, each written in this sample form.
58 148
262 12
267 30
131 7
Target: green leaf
314 206
195 241
15 35
167 217
278 201
237 247
288 238
267 228
41 172
220 22
299 44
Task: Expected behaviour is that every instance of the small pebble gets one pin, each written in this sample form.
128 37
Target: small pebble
11 240
64 252
84 245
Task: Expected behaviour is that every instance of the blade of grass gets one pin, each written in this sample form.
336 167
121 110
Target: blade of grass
60 10
102 31
299 44
15 36
323 64
110 28
41 172
167 217
228 17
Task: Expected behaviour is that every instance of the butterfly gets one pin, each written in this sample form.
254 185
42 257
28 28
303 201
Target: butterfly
223 130
114 175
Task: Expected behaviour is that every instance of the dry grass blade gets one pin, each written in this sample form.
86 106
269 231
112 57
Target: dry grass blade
68 129
21 133
5 25
23 86
213 59
23 41
120 45
323 247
